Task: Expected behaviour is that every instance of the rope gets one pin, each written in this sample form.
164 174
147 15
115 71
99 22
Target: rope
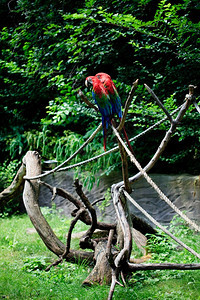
152 183
59 169
69 158
159 225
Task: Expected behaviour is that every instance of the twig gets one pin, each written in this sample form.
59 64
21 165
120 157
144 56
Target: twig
54 194
159 103
97 201
85 99
191 89
128 102
73 222
87 204
109 247
63 193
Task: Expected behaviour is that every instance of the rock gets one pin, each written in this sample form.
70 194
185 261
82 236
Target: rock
182 190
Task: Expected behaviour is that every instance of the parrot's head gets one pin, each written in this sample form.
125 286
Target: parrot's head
89 81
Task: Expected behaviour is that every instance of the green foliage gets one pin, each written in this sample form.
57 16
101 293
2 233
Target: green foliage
165 249
106 202
7 172
48 49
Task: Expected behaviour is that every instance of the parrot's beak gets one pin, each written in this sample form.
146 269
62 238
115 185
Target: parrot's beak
88 81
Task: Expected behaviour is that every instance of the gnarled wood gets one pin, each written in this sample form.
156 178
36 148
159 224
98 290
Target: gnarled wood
30 197
32 162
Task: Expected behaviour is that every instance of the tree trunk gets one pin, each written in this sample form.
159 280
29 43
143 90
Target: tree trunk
102 271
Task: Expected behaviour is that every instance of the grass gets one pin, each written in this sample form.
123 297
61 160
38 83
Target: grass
23 258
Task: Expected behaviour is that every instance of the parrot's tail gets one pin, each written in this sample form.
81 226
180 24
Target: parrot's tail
104 125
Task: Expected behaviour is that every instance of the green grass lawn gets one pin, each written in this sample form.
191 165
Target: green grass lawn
23 258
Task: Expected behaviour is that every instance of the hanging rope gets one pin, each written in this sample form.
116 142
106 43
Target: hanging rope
159 225
152 183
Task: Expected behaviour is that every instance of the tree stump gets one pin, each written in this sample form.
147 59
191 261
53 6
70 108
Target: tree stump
102 271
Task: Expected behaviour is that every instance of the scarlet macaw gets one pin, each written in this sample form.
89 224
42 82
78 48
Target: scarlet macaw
114 99
112 92
102 99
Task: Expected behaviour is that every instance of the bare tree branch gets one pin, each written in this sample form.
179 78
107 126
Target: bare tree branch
156 188
128 102
164 142
196 106
85 99
159 103
162 266
86 218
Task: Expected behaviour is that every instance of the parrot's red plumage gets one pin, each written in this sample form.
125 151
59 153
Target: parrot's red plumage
102 99
114 98
108 101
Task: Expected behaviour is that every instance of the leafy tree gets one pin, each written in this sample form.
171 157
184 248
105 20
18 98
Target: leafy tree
49 47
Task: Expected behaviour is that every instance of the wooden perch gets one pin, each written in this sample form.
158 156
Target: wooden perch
124 255
188 100
127 104
30 196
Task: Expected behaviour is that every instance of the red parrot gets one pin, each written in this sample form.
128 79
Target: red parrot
102 99
114 99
